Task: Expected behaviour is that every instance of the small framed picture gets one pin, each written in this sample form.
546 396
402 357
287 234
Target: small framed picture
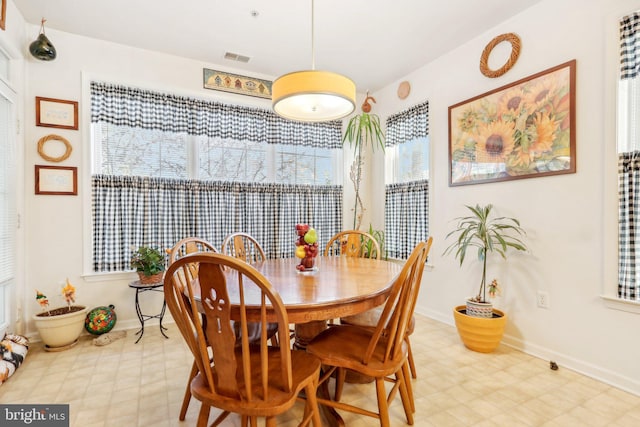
3 15
57 180
56 113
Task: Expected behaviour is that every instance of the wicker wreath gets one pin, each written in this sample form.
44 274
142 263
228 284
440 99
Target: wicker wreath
42 141
515 52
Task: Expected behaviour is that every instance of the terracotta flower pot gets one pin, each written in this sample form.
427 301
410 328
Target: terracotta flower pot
154 278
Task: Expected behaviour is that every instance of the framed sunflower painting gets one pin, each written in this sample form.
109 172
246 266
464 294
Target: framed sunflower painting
522 130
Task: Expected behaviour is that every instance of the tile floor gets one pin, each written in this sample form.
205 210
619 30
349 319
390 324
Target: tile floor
125 384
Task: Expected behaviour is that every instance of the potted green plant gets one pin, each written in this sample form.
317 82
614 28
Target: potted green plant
485 234
149 262
59 328
362 129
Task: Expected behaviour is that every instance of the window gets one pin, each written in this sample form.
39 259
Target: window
629 158
7 198
168 167
406 178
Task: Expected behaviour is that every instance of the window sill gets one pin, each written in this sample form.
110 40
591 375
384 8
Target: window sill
107 277
621 304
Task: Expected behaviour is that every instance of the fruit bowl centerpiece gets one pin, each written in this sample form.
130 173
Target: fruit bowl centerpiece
306 247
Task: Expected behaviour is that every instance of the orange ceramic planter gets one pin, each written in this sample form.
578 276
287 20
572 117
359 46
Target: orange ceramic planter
481 334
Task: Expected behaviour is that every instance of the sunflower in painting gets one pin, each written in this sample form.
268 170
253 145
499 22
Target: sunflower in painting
516 131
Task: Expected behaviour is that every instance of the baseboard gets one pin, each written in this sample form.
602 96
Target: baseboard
604 375
132 326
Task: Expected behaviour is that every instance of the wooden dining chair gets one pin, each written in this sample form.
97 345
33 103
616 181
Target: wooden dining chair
184 247
379 352
243 246
353 243
253 380
370 319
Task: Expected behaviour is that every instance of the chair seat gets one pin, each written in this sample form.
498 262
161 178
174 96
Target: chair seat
353 339
370 319
307 367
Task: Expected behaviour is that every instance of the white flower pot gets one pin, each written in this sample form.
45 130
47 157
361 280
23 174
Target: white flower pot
479 309
62 330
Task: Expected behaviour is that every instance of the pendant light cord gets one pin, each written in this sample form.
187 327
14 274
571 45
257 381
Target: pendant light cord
313 43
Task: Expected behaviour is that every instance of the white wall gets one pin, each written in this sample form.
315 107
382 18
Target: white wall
571 219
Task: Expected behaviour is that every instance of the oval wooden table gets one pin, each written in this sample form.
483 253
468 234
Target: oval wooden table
341 286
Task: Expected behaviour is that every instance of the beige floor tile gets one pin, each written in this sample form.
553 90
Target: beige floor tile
128 384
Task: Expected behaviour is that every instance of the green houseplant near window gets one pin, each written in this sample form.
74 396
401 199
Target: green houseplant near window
362 129
486 234
149 262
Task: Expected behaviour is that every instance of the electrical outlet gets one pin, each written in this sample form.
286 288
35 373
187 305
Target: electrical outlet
543 299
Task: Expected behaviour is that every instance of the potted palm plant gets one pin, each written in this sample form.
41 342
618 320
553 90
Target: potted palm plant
485 234
59 328
149 262
361 130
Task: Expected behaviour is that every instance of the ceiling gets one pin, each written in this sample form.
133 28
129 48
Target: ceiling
374 42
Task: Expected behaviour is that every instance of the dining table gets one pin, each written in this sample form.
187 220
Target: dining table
337 286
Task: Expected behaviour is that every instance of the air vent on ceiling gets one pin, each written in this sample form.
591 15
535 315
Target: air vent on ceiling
236 57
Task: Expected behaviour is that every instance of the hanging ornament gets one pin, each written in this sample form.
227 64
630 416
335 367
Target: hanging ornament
41 48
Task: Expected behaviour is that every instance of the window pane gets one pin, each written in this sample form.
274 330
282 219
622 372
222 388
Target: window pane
304 165
141 152
229 160
628 119
408 161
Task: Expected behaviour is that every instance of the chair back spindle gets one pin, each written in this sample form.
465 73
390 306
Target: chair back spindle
353 243
398 310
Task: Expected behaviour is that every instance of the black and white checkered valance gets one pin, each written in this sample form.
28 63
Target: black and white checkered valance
406 217
630 46
408 124
139 108
129 211
629 225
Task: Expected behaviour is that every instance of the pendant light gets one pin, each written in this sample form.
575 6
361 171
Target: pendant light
312 95
41 48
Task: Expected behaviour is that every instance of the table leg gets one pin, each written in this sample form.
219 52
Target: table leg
304 333
139 313
162 328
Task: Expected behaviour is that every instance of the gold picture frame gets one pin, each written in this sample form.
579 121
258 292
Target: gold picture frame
525 129
235 83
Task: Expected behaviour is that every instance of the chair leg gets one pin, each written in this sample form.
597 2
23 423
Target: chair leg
203 416
383 408
270 422
341 375
403 376
405 371
187 392
412 365
274 340
312 404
